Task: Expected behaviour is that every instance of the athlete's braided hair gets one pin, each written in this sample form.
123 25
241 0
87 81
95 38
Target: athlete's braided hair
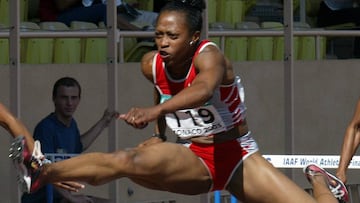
193 10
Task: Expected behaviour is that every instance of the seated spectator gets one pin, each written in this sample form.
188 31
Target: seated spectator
335 12
94 11
140 18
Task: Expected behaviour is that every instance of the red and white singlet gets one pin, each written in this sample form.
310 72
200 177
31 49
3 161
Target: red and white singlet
222 112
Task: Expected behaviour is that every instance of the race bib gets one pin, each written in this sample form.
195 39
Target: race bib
201 121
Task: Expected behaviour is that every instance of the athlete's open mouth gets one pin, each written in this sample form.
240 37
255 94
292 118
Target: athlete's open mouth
164 54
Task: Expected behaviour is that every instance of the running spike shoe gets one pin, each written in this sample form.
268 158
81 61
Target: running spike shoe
336 186
27 165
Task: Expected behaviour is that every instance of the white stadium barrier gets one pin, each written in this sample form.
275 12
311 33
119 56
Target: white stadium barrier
300 161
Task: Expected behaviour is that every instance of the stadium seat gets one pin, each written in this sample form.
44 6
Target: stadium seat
4 49
24 10
298 26
307 48
35 50
260 48
102 25
93 50
219 26
243 43
5 11
247 25
137 52
236 48
66 50
278 42
129 42
306 45
231 11
211 8
4 46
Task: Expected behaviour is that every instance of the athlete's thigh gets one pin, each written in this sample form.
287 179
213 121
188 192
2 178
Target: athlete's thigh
172 167
256 180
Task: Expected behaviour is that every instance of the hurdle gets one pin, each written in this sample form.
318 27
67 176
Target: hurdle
278 161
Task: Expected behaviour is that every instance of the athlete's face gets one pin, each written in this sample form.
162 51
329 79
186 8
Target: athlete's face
172 37
66 101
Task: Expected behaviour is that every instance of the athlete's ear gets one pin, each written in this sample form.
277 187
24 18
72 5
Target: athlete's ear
196 36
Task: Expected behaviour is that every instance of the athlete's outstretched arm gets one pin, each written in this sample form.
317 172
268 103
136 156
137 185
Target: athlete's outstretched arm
350 144
14 126
210 65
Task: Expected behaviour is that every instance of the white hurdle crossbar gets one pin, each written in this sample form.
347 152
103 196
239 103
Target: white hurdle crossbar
300 161
55 157
278 161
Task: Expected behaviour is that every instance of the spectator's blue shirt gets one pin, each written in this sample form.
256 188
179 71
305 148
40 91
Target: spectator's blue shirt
338 4
55 137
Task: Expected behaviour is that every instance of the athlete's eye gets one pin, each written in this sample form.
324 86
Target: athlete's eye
173 36
158 35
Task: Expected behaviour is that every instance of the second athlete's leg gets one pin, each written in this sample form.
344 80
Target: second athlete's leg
15 127
256 180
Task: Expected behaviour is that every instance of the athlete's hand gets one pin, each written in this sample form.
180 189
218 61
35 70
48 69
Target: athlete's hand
140 117
70 186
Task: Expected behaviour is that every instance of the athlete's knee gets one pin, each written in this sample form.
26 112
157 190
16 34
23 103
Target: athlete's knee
123 159
134 162
112 166
128 162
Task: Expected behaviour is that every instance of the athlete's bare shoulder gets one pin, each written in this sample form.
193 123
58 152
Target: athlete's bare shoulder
212 57
146 64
